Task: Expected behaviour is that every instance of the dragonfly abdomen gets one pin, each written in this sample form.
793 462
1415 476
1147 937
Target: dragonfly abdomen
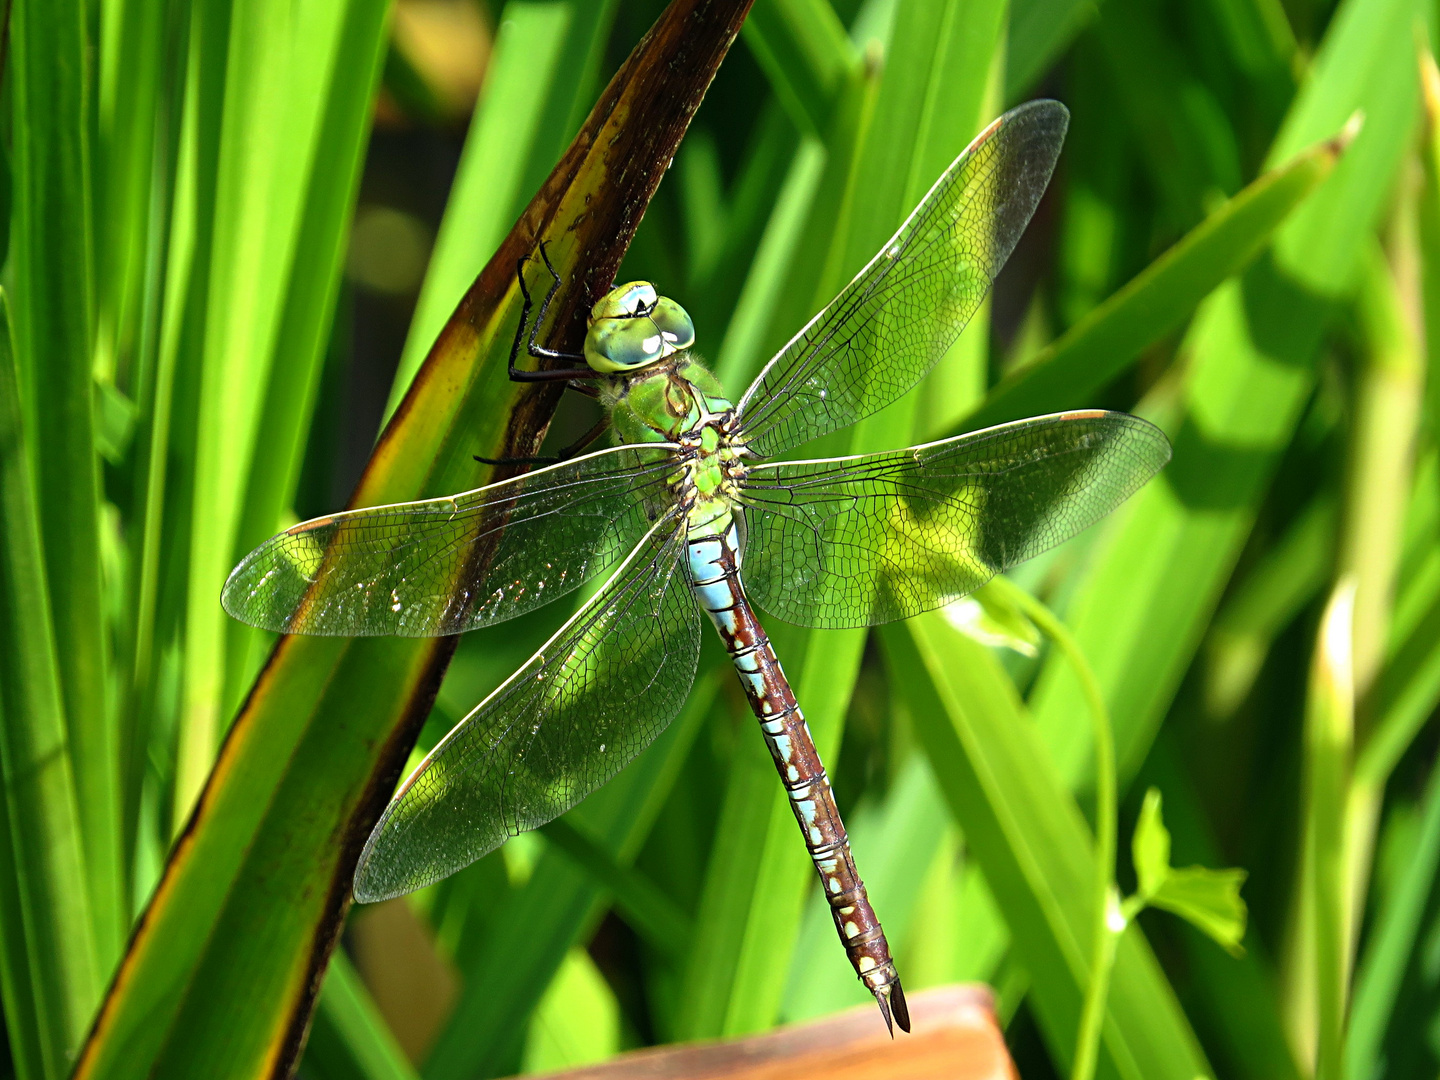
715 578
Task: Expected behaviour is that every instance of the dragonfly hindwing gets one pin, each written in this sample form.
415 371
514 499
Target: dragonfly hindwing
863 540
594 696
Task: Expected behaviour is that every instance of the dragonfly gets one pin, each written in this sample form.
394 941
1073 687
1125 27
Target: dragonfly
694 511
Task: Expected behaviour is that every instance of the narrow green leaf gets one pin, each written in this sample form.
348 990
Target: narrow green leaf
52 268
1029 837
728 892
1409 687
1290 574
1040 30
1393 945
42 808
348 56
17 995
1178 127
577 1022
1389 386
281 64
1110 337
555 910
740 357
349 1039
1260 36
651 913
802 48
1318 963
131 81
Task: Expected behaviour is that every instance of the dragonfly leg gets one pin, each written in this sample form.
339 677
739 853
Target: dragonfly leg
564 455
533 347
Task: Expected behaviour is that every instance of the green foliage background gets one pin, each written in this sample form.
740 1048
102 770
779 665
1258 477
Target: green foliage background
1264 618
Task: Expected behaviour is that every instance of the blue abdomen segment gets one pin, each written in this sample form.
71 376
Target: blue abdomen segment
714 566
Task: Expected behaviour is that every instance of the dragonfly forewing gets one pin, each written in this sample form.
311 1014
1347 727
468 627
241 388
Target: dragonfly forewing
899 315
444 566
595 695
864 540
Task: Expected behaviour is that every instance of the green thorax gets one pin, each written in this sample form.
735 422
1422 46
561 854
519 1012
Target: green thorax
682 402
656 390
663 402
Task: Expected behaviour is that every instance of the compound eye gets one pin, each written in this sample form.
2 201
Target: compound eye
624 302
623 344
632 327
673 322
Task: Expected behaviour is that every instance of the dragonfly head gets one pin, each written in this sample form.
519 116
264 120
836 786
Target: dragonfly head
632 327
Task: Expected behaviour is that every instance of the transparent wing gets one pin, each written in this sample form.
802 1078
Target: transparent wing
447 565
587 703
891 324
859 541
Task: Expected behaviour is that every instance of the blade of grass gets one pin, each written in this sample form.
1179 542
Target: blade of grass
957 932
750 199
168 400
1429 224
1179 130
740 354
349 1040
555 910
1318 965
1290 574
280 64
652 914
1039 32
347 72
802 47
17 995
1409 687
1030 838
1390 382
54 323
1392 945
1390 385
577 1021
149 378
131 81
251 901
61 962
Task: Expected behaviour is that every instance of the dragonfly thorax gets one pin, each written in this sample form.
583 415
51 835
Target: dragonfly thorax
711 473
